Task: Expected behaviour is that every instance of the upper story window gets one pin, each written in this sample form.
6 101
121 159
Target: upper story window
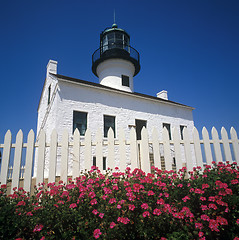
167 125
80 122
49 95
181 130
109 122
139 125
125 80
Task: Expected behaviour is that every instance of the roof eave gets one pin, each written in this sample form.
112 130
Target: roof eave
102 87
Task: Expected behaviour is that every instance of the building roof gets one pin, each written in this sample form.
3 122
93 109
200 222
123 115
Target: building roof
135 94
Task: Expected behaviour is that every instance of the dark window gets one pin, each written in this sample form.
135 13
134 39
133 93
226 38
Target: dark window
80 122
167 125
49 95
109 122
139 125
125 80
181 131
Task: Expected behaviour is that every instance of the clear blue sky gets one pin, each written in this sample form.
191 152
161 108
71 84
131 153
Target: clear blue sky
189 48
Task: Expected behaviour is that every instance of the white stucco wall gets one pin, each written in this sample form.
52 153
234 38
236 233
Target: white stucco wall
44 109
110 72
98 102
125 108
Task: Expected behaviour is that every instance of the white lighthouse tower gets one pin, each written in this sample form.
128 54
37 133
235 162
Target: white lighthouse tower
115 62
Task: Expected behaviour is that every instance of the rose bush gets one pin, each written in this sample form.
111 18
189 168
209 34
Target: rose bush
128 205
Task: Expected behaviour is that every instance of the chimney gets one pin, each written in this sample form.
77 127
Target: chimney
163 94
51 67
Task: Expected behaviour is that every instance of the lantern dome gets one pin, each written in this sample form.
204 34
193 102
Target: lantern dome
115 43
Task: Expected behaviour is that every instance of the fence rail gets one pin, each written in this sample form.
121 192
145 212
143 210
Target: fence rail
75 155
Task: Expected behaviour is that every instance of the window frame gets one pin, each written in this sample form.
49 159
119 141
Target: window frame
138 131
106 128
73 122
125 78
181 130
168 127
49 95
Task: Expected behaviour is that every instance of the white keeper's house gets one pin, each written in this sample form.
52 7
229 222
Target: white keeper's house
70 103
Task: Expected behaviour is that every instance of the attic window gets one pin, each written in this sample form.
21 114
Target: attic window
49 95
125 80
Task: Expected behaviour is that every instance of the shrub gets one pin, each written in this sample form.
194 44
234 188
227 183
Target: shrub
129 205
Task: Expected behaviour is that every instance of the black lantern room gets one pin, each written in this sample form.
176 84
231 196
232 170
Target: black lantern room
115 43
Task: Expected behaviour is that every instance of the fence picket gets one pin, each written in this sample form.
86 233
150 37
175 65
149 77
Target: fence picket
76 154
197 148
187 148
144 147
133 150
83 150
111 146
64 156
177 149
216 145
122 150
53 157
207 147
6 157
167 150
156 151
88 159
98 151
41 157
29 161
226 146
235 144
17 161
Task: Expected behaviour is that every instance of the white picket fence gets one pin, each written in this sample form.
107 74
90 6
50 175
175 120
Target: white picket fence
162 153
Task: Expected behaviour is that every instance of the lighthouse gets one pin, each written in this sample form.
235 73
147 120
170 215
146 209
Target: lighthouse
116 62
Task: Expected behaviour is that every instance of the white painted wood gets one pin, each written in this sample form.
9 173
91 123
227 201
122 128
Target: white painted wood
76 154
235 144
156 151
216 145
226 146
6 157
64 156
99 148
207 147
87 153
144 148
41 157
167 150
111 149
53 157
133 150
187 147
122 150
17 161
88 157
177 148
29 161
197 148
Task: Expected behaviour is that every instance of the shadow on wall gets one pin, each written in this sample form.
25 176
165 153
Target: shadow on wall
118 100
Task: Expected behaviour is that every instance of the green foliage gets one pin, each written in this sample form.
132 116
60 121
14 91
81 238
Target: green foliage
129 205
